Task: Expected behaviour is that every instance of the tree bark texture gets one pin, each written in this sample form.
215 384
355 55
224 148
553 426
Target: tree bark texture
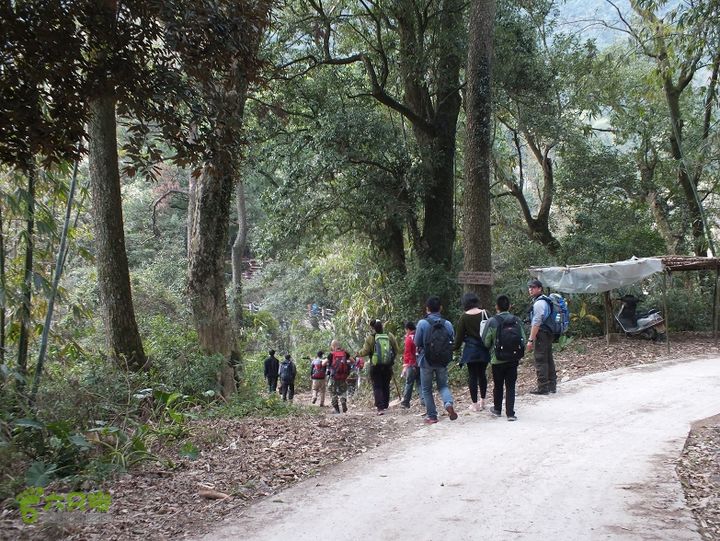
209 221
23 339
121 330
210 199
477 246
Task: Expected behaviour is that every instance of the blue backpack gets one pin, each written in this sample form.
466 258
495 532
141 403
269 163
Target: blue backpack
559 319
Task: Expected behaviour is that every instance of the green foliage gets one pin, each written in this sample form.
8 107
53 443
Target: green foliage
177 361
689 308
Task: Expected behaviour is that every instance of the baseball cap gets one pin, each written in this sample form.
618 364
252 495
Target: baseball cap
535 283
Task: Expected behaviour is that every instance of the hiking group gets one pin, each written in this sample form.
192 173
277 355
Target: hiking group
499 341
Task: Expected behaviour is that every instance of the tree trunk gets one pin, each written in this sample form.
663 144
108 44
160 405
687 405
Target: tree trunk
121 331
389 242
238 249
23 338
687 183
477 246
209 220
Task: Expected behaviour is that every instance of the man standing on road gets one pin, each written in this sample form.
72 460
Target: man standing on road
271 369
433 339
541 339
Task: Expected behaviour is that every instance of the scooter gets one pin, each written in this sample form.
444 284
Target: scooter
650 324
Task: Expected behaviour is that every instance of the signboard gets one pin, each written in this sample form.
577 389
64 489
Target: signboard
475 278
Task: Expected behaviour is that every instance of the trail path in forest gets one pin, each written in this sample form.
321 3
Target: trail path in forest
595 461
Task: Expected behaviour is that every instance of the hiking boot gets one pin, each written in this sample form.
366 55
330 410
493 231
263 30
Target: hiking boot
404 405
512 418
380 412
430 421
539 392
451 412
344 406
494 412
337 409
314 400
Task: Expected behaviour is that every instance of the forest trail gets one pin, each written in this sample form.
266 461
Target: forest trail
595 461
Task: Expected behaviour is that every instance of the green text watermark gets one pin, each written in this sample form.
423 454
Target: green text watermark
34 500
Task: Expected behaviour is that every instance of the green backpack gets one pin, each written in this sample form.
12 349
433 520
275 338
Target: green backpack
384 353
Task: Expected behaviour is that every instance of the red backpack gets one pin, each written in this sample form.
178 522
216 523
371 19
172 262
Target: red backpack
340 365
318 370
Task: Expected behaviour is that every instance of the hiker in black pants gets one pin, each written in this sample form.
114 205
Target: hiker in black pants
287 374
380 374
272 366
504 371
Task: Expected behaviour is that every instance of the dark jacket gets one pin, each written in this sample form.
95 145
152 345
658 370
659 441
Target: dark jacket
272 367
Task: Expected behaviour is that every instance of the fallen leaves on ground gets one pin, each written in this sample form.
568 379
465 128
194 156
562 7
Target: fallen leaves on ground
243 460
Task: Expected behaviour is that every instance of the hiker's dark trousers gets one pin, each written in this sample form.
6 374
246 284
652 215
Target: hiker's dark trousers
272 384
287 390
380 375
477 379
544 363
504 378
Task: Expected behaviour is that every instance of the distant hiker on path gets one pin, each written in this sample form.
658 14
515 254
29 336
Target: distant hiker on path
339 361
505 338
382 349
287 373
318 375
475 355
434 340
410 370
271 369
540 340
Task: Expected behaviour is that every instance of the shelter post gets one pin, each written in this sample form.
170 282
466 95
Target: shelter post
665 310
608 315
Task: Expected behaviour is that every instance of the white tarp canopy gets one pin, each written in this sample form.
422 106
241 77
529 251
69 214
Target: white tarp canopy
596 278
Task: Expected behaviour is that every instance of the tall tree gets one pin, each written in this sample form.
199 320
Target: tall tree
123 337
218 44
425 41
544 99
478 145
682 42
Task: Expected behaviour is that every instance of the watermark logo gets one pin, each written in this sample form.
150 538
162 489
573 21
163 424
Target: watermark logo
34 500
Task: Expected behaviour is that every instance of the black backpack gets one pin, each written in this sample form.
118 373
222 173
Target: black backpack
287 372
437 343
509 343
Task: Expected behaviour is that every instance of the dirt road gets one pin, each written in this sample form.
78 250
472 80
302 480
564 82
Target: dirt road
595 461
